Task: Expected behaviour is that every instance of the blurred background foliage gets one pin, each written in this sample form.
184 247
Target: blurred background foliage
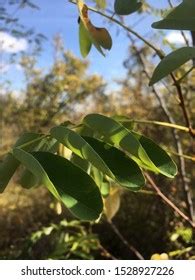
35 226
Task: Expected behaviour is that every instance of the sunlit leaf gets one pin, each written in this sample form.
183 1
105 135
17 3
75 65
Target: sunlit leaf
105 188
80 147
65 181
172 62
126 7
103 184
104 157
158 156
116 133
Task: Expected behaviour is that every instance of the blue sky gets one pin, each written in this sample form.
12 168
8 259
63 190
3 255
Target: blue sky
60 17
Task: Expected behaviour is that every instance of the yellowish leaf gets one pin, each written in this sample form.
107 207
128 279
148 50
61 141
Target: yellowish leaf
112 204
100 37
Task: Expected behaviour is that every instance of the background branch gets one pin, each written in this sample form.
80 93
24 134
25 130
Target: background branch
169 117
168 201
124 241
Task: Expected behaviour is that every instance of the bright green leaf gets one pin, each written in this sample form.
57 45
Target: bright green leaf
66 181
117 134
97 175
101 182
159 157
80 147
126 7
105 189
104 157
172 62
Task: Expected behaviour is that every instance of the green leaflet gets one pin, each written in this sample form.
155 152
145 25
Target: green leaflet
10 164
101 182
160 158
181 17
121 137
104 157
105 189
171 62
84 40
65 181
28 180
118 135
126 172
80 147
30 162
126 7
48 144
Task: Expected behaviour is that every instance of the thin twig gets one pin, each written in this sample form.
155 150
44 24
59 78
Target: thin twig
185 185
165 124
168 201
183 156
125 242
183 107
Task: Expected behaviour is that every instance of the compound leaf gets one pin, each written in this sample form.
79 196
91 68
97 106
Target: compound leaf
117 134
